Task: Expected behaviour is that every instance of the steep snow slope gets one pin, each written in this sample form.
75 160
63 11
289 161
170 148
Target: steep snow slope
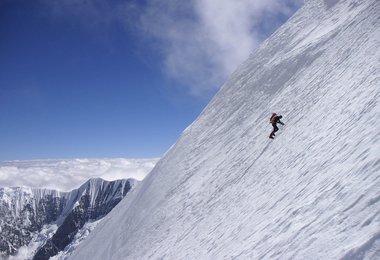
225 190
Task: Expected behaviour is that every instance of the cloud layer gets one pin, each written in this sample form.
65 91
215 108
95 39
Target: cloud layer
65 175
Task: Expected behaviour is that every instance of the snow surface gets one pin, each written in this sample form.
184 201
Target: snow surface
226 191
66 175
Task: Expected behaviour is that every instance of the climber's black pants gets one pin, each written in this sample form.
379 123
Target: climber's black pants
275 129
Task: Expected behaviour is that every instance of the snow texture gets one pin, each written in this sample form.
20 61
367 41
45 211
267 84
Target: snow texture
226 191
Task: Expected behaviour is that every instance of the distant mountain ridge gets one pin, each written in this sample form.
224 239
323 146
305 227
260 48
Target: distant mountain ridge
24 211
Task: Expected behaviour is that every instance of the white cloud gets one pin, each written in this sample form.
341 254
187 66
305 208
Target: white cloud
66 175
203 41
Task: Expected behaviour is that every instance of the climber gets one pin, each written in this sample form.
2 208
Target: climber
274 120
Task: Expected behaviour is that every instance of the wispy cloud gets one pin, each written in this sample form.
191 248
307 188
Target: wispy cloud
201 42
66 175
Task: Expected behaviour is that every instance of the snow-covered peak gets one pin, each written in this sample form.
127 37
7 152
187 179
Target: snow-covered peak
25 211
99 183
95 186
15 198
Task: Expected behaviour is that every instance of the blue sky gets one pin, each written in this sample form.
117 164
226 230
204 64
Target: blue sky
91 78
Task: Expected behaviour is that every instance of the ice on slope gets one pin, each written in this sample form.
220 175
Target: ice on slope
226 191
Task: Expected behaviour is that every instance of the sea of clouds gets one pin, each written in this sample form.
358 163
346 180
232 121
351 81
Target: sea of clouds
65 175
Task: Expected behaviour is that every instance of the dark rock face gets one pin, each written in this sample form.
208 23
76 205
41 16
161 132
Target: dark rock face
22 214
24 211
